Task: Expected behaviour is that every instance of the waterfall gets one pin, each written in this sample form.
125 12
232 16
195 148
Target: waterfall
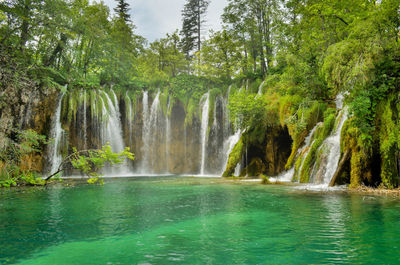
150 121
129 115
285 176
204 130
84 122
332 143
184 148
330 148
307 146
112 130
163 142
145 131
57 134
260 89
228 147
238 168
167 136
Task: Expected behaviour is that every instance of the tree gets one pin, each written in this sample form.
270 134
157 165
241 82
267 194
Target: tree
122 9
254 23
193 21
89 162
220 55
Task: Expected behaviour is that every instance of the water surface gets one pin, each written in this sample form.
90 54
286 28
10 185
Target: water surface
169 220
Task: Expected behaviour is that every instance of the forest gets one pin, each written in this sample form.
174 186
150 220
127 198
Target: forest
280 65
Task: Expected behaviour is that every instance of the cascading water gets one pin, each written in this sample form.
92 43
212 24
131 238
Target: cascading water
204 129
56 134
228 147
307 145
84 122
162 142
129 117
150 122
260 89
284 177
112 131
330 148
167 135
145 132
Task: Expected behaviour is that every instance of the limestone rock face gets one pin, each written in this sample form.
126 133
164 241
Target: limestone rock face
25 105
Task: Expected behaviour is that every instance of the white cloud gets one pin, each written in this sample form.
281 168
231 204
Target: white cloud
155 18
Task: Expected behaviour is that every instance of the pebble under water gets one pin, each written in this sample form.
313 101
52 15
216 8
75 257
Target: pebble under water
169 220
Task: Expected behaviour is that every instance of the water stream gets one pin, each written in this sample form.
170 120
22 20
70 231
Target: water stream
204 130
56 133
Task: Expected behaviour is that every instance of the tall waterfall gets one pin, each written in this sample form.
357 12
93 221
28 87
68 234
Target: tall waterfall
167 135
150 122
112 130
56 134
84 121
204 129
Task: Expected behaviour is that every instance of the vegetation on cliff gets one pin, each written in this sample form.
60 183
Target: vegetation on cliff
282 64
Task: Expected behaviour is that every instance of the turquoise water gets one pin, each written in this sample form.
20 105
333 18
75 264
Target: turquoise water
195 221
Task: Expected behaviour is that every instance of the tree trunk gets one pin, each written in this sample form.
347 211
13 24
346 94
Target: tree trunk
57 50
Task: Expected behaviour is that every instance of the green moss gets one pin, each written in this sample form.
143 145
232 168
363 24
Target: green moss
191 111
214 93
356 169
164 102
300 116
92 102
389 140
297 165
234 158
264 179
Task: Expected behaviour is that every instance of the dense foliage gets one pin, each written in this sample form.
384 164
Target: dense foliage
285 62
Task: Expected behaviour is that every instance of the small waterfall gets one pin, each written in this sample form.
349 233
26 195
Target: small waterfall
150 121
167 135
332 143
238 169
228 147
84 122
260 89
330 148
145 132
112 130
307 146
285 176
57 134
204 130
129 117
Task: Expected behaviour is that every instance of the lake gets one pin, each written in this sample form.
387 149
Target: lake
170 220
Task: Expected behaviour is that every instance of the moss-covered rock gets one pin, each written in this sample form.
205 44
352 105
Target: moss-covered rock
234 158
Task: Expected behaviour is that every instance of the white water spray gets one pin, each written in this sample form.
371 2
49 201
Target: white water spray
57 134
204 129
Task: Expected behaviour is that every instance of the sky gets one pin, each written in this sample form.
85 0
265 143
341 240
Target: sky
155 18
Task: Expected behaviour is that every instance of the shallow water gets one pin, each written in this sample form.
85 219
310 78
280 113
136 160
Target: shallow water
168 220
